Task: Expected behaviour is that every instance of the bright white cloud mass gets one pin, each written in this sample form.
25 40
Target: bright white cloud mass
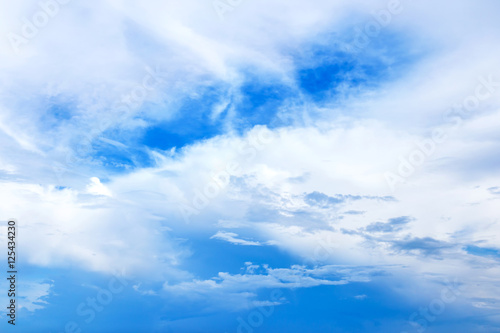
252 166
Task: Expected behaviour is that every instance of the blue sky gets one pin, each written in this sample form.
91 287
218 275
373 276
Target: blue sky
252 166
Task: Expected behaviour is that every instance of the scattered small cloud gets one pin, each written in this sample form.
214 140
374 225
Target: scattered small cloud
97 188
34 295
360 297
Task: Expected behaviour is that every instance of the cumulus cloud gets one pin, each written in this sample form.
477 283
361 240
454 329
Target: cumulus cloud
97 188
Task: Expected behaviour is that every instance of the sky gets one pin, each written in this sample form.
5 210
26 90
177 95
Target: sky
251 166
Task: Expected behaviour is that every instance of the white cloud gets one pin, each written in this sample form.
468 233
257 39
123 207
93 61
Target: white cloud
239 291
97 188
33 295
232 238
30 295
88 62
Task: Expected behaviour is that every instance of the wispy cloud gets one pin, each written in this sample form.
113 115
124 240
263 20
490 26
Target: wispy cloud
233 238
